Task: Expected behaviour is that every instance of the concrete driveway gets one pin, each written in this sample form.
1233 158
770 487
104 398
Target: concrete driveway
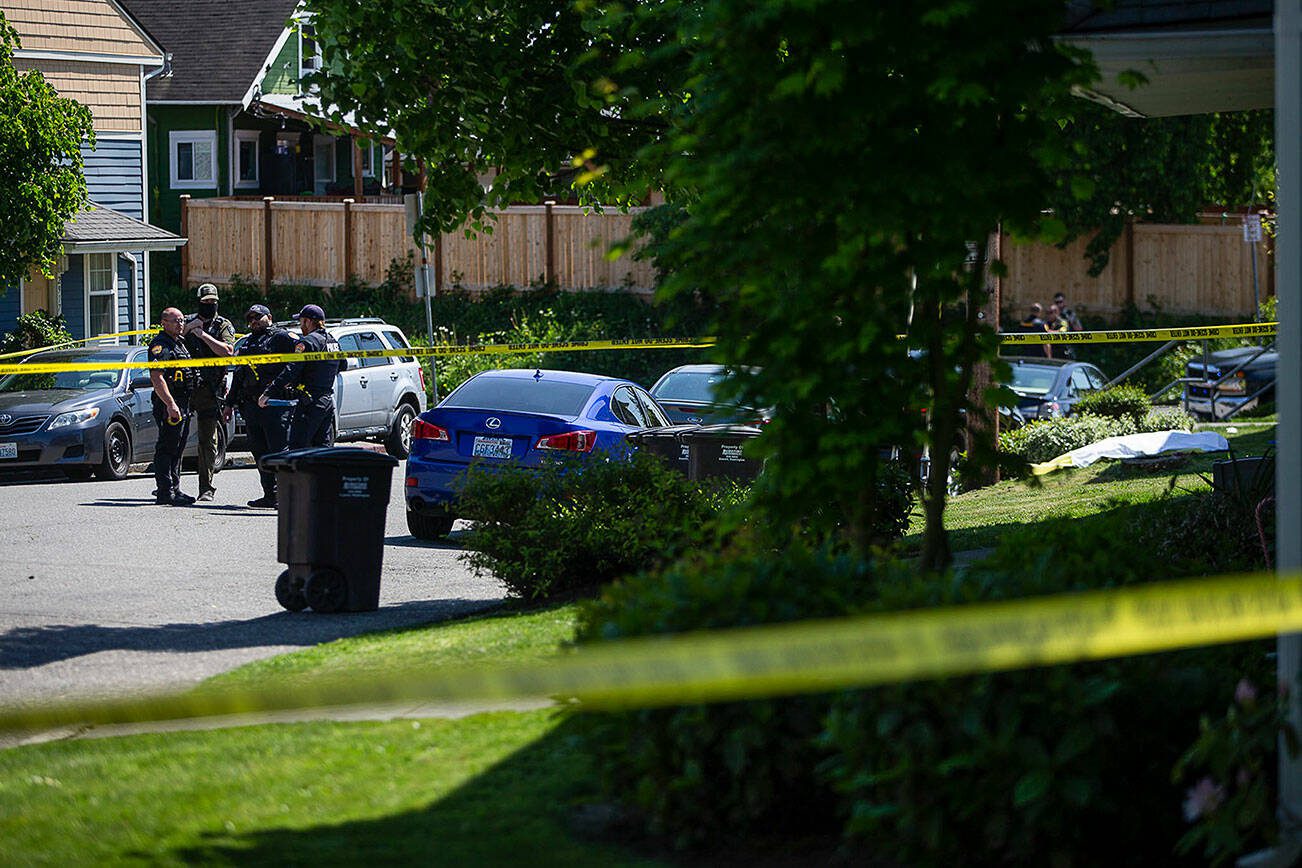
101 591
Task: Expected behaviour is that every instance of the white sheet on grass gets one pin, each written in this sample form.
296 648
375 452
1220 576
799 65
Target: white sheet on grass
1135 446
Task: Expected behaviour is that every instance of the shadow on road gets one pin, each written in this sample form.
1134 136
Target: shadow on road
27 647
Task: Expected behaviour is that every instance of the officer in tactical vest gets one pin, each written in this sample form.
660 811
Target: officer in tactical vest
313 421
267 426
208 335
171 402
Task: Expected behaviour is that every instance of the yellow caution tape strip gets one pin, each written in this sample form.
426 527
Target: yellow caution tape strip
1245 330
67 344
777 660
1240 330
37 367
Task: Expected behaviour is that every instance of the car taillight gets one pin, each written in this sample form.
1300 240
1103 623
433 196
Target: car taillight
413 482
570 441
422 430
420 369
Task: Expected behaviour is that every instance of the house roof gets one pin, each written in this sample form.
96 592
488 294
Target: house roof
103 229
218 47
1091 16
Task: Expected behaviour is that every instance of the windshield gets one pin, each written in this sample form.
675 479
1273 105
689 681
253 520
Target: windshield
74 381
690 386
1033 380
510 394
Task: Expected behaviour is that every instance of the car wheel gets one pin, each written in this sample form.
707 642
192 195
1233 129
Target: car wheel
289 592
219 460
117 453
326 591
398 443
79 474
430 527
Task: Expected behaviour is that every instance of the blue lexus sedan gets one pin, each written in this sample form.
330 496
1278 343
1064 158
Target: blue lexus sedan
518 418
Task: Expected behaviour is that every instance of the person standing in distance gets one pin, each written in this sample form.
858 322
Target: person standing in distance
267 426
208 335
313 421
171 404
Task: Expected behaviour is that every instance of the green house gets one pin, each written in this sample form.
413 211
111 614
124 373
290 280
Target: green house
228 115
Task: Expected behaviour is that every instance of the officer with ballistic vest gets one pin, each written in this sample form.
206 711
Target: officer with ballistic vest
208 335
171 405
313 421
267 426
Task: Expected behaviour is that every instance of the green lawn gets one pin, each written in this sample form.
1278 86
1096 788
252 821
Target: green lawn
978 518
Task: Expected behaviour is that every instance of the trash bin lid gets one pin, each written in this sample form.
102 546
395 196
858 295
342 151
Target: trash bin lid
328 456
725 430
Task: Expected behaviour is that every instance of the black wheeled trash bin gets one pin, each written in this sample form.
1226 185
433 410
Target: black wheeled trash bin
719 451
331 503
666 443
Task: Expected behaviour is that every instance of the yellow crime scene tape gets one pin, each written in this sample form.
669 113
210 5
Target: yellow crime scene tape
66 344
1242 330
775 660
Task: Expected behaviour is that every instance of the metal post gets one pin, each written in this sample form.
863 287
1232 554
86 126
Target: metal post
429 292
1256 292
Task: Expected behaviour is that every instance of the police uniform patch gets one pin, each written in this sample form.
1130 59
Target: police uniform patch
300 347
156 349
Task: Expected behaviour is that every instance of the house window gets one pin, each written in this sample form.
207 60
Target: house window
309 50
194 158
368 157
246 158
323 159
101 294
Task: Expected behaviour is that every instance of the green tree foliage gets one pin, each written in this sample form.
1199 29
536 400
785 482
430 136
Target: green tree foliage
1158 169
834 164
41 185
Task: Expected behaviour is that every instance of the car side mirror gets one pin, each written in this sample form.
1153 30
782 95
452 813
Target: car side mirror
141 383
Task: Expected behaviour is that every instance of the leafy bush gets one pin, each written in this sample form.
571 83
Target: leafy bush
1041 766
1049 438
35 330
701 773
1119 402
1167 419
570 527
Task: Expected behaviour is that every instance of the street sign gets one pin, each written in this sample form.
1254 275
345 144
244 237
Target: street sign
1252 228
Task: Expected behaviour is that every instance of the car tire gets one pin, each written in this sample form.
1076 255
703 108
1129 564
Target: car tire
326 591
398 443
116 462
429 527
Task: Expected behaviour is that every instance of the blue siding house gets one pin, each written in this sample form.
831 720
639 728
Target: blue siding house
103 282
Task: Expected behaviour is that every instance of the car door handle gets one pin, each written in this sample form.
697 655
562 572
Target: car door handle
393 377
362 381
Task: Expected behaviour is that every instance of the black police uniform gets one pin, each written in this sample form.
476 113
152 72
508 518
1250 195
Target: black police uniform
313 421
171 437
206 402
267 427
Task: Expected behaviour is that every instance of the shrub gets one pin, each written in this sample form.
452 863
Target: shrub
702 773
1118 402
1049 438
1167 419
1069 765
570 527
35 330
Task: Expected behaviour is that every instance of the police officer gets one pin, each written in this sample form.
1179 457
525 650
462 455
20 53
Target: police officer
208 335
313 421
267 426
171 403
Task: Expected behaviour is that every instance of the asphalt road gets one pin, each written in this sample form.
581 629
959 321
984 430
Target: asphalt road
102 592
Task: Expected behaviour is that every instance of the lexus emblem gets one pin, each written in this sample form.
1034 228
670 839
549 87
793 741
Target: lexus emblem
6 420
492 423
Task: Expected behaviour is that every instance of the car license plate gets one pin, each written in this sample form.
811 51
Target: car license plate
491 447
8 450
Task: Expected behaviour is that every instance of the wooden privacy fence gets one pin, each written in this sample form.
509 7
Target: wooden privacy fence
324 243
1181 269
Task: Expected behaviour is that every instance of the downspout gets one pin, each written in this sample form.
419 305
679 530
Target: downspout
133 291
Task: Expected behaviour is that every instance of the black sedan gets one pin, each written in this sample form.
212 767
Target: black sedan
1049 388
689 394
83 422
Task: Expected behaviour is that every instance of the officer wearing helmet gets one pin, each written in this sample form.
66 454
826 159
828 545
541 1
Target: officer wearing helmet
313 421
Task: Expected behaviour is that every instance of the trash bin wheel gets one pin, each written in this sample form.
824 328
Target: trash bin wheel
289 592
326 591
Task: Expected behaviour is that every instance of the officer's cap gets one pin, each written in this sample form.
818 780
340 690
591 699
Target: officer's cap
311 311
207 292
258 310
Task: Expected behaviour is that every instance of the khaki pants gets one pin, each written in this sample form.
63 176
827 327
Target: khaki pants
207 416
